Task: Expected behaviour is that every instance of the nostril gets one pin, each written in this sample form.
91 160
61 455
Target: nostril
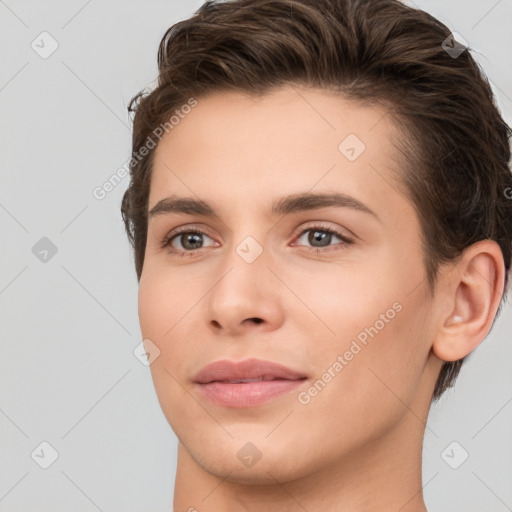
256 320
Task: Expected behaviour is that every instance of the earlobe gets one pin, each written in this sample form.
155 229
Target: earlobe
474 292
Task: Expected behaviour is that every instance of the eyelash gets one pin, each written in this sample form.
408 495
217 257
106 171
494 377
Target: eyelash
346 241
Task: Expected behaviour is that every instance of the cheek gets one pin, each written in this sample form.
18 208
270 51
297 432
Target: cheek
338 303
161 302
375 325
168 309
376 380
160 308
151 306
387 369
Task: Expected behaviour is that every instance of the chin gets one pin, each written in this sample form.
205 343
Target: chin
257 462
264 472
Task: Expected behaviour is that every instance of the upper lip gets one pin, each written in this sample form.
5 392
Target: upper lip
248 369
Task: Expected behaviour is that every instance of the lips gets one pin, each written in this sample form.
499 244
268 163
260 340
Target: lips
250 370
246 383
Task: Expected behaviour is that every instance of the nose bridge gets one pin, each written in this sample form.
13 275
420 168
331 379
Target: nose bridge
245 270
247 254
247 289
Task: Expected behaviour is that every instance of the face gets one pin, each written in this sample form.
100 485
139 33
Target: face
331 287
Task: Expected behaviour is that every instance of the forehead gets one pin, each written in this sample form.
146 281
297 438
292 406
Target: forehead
290 113
289 140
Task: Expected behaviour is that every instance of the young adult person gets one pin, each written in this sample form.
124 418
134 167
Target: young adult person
321 219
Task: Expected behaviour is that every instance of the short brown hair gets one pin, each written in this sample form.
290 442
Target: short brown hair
456 148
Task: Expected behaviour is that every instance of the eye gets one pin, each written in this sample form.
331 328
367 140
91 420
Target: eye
321 237
185 240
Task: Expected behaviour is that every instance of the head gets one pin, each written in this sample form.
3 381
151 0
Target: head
261 99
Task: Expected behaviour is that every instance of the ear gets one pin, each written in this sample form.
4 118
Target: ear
472 296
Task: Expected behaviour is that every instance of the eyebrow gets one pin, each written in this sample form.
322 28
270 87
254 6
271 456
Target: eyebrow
285 205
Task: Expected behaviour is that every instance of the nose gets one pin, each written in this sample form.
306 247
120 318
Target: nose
246 298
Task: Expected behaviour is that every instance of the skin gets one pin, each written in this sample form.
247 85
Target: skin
356 446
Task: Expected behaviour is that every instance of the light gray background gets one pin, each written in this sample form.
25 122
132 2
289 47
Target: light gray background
69 325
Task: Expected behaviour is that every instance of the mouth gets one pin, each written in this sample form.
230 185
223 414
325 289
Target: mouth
247 383
265 378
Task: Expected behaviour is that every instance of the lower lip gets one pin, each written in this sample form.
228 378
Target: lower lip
247 394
